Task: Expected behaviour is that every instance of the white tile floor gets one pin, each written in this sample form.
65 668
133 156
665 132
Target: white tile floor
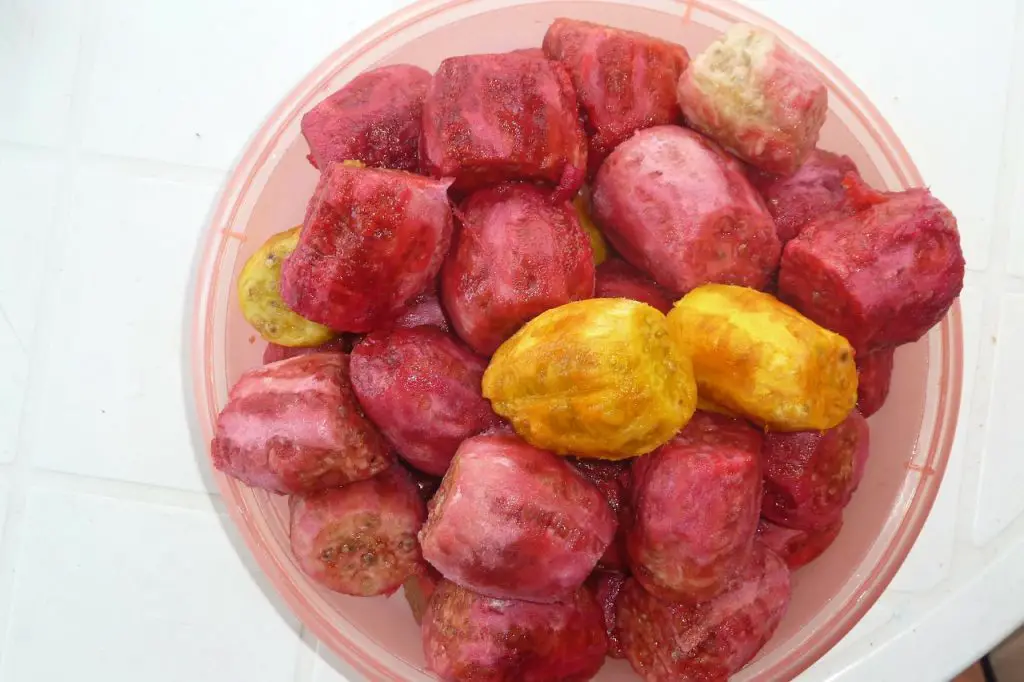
28 192
217 72
81 553
117 384
1002 478
13 374
3 505
44 37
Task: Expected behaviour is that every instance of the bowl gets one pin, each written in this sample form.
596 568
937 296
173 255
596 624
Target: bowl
267 193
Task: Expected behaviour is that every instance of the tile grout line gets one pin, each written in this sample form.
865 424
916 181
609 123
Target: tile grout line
130 491
19 471
143 167
993 284
6 321
155 169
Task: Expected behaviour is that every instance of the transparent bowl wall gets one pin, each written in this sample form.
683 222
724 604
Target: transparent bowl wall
267 193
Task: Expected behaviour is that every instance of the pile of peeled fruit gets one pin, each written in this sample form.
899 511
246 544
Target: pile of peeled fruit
577 344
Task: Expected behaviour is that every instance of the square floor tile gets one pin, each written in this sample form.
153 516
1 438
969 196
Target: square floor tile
1013 153
106 398
1002 470
3 503
39 49
29 188
14 381
122 591
191 87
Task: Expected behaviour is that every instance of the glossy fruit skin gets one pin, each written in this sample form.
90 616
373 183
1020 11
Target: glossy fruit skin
360 539
696 502
598 378
606 586
493 118
421 388
425 483
797 547
618 279
677 207
810 476
275 353
468 637
706 641
816 189
614 480
625 81
874 378
294 427
372 241
518 252
259 296
882 277
792 103
762 359
514 522
375 119
423 311
418 589
598 245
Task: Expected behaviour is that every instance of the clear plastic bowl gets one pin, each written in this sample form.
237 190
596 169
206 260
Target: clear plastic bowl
267 193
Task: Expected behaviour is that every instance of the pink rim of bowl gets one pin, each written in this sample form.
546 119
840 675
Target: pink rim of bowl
933 366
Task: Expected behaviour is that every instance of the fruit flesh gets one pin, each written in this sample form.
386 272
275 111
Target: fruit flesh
816 189
696 502
518 252
677 207
295 427
797 547
711 640
515 522
598 378
810 476
376 119
360 539
882 277
624 81
491 118
259 296
372 241
618 279
471 638
421 388
874 377
756 98
760 358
